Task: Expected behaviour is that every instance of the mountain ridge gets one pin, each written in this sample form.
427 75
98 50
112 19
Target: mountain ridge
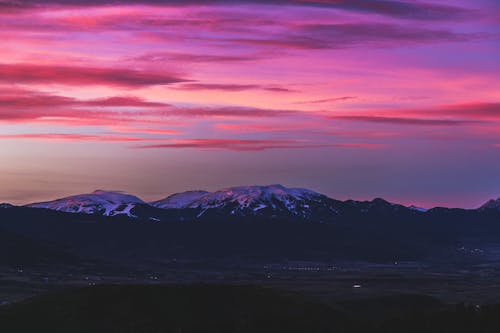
245 201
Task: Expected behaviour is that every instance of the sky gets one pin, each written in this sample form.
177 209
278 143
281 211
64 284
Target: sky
351 98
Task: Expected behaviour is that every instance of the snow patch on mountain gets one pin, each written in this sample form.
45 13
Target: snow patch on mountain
418 209
101 202
251 200
179 200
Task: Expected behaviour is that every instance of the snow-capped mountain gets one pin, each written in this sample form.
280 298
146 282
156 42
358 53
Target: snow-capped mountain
253 200
492 204
98 202
179 200
271 202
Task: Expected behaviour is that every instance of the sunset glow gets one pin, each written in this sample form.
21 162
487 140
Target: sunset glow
352 98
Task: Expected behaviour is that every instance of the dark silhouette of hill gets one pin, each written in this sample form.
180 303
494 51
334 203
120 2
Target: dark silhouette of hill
382 235
228 309
188 309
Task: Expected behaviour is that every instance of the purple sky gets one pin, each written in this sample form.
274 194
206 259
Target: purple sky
351 98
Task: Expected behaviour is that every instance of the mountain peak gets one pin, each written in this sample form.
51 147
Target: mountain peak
106 192
179 200
261 199
381 201
492 204
98 202
245 200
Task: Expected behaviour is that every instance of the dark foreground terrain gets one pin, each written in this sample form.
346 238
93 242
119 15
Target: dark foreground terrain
380 272
218 308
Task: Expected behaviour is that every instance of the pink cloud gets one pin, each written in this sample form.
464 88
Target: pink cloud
393 8
327 100
83 75
229 87
71 137
403 120
252 145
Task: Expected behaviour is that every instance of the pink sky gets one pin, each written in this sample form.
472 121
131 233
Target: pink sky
351 98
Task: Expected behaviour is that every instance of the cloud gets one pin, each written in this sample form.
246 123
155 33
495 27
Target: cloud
72 137
21 105
480 111
401 9
251 145
81 75
347 35
230 112
194 57
229 87
394 8
445 115
125 101
24 99
404 121
27 106
211 144
327 100
257 128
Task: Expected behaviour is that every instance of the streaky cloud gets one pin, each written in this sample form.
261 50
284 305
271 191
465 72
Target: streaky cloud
400 9
404 120
83 75
251 145
327 100
229 87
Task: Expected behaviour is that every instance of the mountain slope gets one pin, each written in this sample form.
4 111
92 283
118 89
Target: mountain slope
98 202
492 204
179 200
272 200
5 205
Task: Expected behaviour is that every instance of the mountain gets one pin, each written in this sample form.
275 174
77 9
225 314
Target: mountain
98 202
271 200
418 209
492 204
5 205
179 200
252 222
378 205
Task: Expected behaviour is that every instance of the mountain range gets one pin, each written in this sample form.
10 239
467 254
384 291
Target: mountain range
250 222
271 201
